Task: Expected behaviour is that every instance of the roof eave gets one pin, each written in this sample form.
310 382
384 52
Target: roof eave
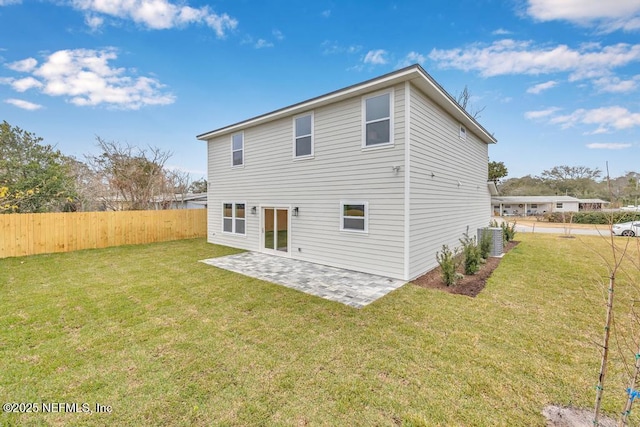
414 73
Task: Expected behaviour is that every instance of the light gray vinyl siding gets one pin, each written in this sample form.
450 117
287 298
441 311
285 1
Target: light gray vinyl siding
340 170
455 199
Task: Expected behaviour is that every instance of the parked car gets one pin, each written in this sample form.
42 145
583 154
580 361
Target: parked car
631 228
630 208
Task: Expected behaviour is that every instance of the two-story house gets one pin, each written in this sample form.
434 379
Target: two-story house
375 177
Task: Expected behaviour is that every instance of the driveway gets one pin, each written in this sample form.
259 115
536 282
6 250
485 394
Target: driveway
528 228
555 228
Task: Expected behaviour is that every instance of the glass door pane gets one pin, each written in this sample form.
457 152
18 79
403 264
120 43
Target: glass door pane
282 227
269 222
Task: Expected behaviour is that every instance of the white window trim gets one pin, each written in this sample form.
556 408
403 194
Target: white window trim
463 133
233 219
366 216
241 165
391 120
313 138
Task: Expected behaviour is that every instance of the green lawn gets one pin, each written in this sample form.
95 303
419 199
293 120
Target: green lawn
166 340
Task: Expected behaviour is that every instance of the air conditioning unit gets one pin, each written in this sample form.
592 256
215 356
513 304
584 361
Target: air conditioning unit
496 239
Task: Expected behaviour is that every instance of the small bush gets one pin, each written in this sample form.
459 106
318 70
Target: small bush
593 217
471 253
485 244
448 261
508 231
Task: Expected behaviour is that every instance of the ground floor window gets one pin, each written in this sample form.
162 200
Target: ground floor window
354 216
233 218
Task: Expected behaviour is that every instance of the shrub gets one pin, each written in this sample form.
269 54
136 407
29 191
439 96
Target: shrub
485 244
593 217
449 262
471 253
509 231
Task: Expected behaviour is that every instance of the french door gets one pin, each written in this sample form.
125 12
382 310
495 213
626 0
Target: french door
275 230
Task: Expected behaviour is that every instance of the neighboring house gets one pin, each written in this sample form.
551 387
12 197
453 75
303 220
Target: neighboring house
538 205
592 204
168 201
182 201
375 177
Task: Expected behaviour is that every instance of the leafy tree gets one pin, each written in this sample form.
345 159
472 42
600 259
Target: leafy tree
572 180
526 186
89 187
497 171
198 186
34 177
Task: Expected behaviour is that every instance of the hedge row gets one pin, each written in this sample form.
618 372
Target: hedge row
591 217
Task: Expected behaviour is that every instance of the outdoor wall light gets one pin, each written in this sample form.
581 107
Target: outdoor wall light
254 210
296 211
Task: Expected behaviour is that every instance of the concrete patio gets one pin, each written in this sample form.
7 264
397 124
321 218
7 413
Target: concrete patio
344 286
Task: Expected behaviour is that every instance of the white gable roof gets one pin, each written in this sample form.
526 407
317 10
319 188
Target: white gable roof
414 74
534 199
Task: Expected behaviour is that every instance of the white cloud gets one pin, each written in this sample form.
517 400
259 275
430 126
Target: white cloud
616 85
522 57
156 14
542 87
22 85
93 22
376 57
331 48
85 78
262 43
607 16
412 58
278 35
539 114
8 2
23 66
608 146
501 32
326 13
606 118
25 105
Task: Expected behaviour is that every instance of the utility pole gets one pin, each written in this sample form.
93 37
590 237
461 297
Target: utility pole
637 180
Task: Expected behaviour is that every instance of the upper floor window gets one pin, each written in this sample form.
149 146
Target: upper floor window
303 136
559 205
377 120
463 132
237 149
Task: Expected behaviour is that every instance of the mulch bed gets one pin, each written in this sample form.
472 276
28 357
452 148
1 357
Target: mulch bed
469 285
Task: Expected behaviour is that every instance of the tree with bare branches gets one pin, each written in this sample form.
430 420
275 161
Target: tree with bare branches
464 100
134 178
620 262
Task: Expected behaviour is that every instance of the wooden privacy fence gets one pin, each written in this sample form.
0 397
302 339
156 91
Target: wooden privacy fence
29 234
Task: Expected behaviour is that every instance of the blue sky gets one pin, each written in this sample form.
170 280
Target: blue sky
560 80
